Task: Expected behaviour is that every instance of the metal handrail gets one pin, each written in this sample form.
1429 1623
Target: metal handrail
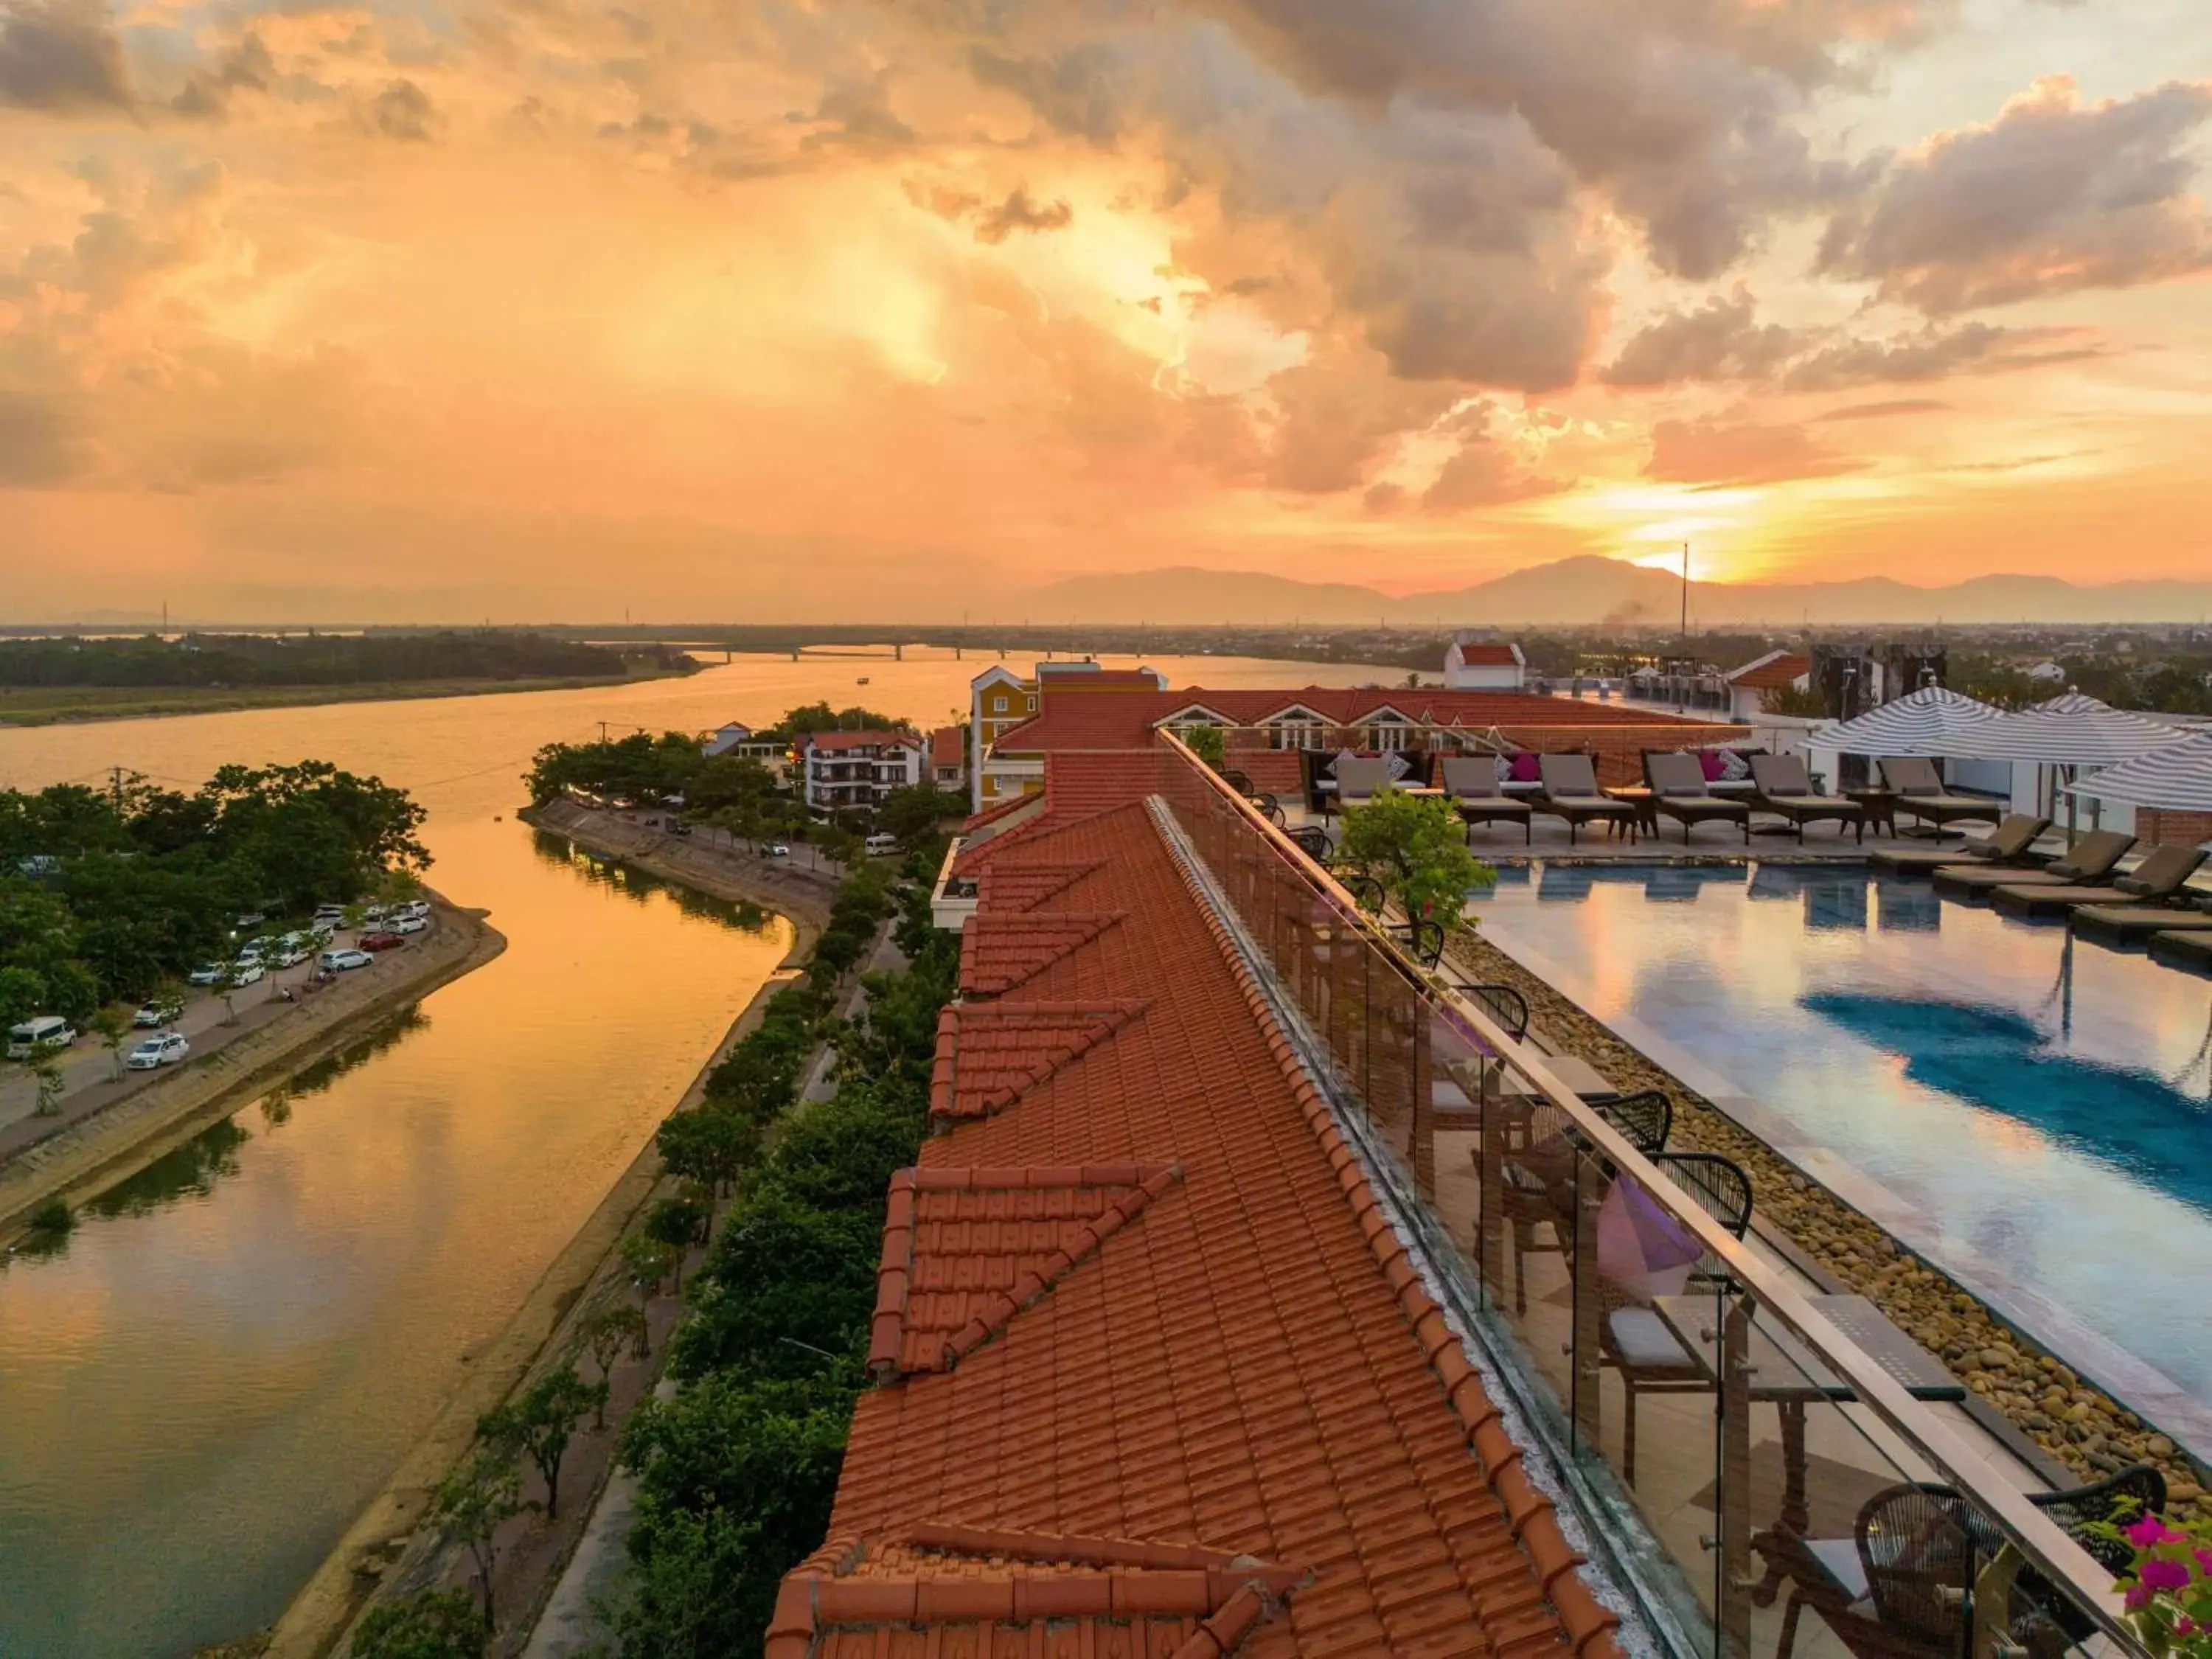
2046 1545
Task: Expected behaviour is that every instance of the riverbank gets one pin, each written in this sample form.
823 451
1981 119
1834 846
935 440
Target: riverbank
383 1547
122 1137
38 705
2032 1395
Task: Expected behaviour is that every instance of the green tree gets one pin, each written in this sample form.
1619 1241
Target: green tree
429 1625
1207 742
539 1424
1416 848
45 1064
606 1334
710 1143
678 1222
914 814
471 1504
112 1026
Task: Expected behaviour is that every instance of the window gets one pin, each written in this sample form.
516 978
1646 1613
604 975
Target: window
999 703
1388 736
1297 731
1032 705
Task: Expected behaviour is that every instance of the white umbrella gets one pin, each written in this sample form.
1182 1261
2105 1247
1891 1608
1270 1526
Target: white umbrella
1931 722
2072 730
2175 779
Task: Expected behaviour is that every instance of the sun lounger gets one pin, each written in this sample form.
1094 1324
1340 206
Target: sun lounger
1781 785
1920 793
2156 884
1679 791
1569 791
2008 844
2133 924
2093 858
2191 950
1471 784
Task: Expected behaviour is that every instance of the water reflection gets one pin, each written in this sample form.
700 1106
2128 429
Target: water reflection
190 1172
2130 1119
643 885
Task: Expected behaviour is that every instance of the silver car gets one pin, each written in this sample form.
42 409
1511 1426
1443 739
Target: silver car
166 1050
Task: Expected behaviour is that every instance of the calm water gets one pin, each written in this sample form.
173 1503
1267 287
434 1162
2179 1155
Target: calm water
2046 1106
201 1391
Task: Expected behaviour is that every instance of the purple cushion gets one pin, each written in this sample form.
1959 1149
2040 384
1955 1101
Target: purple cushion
1716 768
1524 767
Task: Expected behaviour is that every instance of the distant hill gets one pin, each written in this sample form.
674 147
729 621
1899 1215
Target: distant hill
1588 591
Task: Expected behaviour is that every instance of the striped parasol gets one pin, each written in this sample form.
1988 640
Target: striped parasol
2070 730
2175 779
1930 722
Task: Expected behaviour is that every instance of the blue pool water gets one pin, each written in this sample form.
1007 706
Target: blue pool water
2042 1107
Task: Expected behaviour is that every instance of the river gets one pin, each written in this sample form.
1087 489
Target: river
203 1386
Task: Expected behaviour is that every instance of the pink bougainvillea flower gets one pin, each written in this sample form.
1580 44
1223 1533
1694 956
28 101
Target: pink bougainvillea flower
2185 1625
2164 1574
2137 1598
2150 1531
2204 1561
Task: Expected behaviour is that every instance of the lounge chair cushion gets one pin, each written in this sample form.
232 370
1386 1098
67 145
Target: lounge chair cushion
2161 872
1570 777
1645 1344
1470 777
2060 892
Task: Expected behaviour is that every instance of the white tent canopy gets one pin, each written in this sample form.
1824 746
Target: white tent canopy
2175 779
1930 722
2071 730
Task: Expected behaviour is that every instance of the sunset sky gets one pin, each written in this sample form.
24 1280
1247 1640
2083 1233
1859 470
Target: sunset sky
728 308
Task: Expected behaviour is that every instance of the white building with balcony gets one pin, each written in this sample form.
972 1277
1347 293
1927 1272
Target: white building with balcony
842 769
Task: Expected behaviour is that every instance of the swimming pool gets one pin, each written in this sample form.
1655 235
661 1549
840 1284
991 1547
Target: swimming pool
2033 1114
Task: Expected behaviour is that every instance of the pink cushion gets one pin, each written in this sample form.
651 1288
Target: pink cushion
1710 760
1524 767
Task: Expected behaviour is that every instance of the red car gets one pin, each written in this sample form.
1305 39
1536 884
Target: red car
382 941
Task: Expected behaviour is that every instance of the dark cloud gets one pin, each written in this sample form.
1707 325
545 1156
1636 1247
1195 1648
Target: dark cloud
1883 412
1721 340
246 66
2051 196
1933 353
402 112
1339 416
1720 452
1081 91
62 56
1485 474
1018 213
857 116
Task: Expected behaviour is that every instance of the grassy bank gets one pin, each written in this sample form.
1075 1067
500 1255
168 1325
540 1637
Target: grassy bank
25 705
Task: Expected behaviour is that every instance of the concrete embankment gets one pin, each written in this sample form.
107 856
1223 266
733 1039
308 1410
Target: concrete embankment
383 1547
96 1152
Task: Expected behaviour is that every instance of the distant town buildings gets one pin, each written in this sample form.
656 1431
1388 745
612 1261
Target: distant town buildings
1750 685
843 769
948 758
724 740
1475 663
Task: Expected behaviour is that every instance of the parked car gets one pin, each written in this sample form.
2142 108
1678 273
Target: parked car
148 1017
779 851
166 1050
285 953
330 915
418 908
382 939
207 973
245 973
877 847
42 1031
677 827
251 918
339 961
410 924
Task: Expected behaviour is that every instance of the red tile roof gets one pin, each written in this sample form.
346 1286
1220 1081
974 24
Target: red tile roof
1233 1421
833 741
1005 949
1774 673
1478 654
1011 887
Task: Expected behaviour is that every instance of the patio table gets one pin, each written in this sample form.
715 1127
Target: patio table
1778 1369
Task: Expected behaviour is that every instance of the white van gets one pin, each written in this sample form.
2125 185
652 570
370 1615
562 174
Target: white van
47 1030
880 846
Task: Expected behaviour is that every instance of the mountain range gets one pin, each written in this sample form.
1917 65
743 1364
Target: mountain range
1589 590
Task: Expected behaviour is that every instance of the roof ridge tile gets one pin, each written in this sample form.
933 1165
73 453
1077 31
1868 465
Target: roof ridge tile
1001 951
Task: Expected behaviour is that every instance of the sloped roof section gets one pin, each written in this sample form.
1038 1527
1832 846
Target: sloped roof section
941 1590
990 1054
999 952
1009 888
965 1250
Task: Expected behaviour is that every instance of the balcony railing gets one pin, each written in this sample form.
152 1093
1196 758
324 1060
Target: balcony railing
1770 1470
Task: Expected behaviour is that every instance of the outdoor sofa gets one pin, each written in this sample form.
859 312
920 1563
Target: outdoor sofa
1679 791
2092 859
1781 785
2156 883
2010 843
1921 793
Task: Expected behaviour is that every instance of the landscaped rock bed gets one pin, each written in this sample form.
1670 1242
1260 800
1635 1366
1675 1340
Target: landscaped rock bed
2070 1419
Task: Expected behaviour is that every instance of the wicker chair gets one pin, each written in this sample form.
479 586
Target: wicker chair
1313 841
